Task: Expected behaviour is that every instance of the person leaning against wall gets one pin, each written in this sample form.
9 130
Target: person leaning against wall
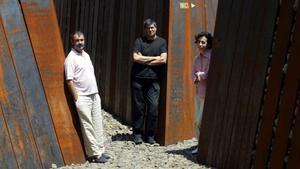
203 42
82 84
149 55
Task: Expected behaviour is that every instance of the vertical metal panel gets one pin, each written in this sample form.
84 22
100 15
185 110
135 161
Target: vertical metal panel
21 143
49 54
235 88
294 158
186 19
288 102
274 83
30 84
7 159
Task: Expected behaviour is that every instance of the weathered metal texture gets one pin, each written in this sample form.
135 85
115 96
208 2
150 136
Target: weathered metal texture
24 106
252 104
288 105
48 50
274 83
186 19
17 139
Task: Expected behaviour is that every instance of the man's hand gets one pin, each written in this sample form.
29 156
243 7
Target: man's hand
72 90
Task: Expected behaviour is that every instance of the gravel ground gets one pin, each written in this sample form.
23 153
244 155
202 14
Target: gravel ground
126 155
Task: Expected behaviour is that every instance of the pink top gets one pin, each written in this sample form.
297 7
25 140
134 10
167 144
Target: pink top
201 64
79 69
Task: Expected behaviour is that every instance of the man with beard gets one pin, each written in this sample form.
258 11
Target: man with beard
82 84
149 55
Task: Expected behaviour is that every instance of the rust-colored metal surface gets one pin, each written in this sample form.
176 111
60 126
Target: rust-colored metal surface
274 83
185 20
17 141
251 115
289 101
25 110
48 50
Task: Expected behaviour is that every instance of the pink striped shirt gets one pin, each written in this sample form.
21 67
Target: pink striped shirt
201 64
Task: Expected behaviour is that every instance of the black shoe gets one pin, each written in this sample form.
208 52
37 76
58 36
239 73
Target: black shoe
137 138
151 140
105 155
101 159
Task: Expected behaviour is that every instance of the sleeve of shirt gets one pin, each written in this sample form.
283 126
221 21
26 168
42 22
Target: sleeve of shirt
194 70
137 46
206 69
69 69
163 47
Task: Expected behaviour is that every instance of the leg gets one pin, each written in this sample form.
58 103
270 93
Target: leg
199 104
138 107
152 99
84 109
97 120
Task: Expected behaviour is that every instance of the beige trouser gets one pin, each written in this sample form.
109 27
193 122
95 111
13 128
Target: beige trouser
199 103
90 116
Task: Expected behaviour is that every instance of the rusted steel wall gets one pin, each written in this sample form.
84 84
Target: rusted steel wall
278 135
251 114
186 19
111 27
42 25
28 138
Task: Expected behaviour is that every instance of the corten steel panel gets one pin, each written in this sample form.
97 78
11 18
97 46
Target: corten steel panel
45 37
294 157
288 102
18 146
7 158
38 113
235 88
274 83
185 20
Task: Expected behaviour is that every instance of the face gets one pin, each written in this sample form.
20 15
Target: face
151 31
202 43
78 42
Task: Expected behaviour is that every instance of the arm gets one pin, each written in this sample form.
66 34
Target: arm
159 60
150 60
72 89
139 58
204 74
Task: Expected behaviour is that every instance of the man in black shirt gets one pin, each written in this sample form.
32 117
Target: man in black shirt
149 55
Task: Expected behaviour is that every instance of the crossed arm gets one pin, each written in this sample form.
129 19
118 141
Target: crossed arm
150 60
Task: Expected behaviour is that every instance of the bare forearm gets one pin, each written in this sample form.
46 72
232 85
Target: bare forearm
139 58
150 60
157 61
162 59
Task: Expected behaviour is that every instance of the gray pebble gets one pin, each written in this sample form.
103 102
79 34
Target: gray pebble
126 155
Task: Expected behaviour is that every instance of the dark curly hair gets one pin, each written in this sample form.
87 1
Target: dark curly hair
208 37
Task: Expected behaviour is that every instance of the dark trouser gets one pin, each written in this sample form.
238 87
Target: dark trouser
145 99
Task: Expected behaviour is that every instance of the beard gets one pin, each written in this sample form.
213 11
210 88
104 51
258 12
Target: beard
79 47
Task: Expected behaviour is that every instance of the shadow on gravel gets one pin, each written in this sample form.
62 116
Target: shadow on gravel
122 137
186 153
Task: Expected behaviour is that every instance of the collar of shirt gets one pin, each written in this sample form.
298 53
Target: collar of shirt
77 53
206 53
